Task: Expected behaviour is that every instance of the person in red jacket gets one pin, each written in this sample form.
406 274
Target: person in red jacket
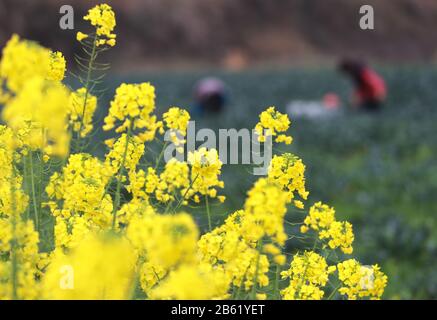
370 88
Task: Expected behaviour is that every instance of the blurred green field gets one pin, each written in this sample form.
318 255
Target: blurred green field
379 171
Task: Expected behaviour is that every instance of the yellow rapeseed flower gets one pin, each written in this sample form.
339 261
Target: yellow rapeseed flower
81 108
23 60
338 234
38 115
275 124
361 281
176 120
165 240
205 171
289 172
98 268
132 109
308 274
192 283
102 17
22 235
81 36
265 209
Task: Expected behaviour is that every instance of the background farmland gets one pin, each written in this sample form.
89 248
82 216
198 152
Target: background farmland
379 171
237 33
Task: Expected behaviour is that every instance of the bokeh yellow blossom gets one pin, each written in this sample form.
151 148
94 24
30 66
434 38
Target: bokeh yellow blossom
275 124
81 108
132 109
102 17
98 268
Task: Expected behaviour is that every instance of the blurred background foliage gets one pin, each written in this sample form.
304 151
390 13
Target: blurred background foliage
379 171
236 33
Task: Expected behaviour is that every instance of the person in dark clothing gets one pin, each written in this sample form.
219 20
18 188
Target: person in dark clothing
210 95
370 88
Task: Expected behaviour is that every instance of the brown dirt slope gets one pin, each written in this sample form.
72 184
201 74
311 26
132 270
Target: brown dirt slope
239 32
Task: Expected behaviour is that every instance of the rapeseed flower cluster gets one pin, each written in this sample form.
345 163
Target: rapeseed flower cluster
209 284
132 108
288 171
308 275
81 108
77 226
265 209
205 171
19 250
35 99
38 116
78 201
98 268
337 234
24 59
272 123
125 152
164 240
20 259
102 17
176 120
13 201
174 179
225 248
360 281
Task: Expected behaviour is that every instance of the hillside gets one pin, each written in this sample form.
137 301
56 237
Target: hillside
238 33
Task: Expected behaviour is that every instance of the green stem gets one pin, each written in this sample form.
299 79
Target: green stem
87 85
26 181
119 177
208 212
14 262
40 194
276 288
296 295
71 135
34 201
238 292
333 293
167 207
241 284
160 156
185 194
255 276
